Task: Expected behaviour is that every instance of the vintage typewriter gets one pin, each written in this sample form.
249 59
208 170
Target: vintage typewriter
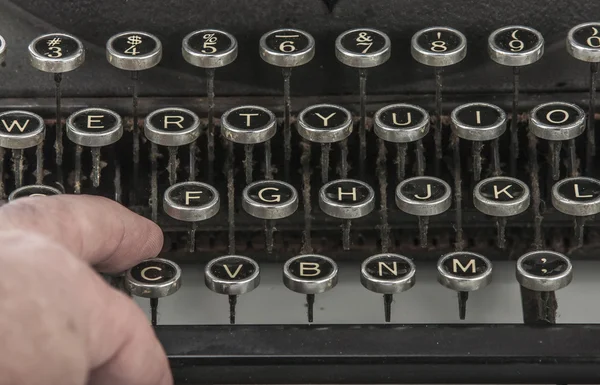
338 181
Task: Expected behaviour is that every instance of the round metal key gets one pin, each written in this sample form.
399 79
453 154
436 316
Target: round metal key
516 45
478 121
363 48
583 42
388 273
557 121
134 51
439 46
325 123
578 196
464 271
287 47
172 126
56 53
544 271
310 274
154 278
270 199
346 199
423 196
209 48
232 275
94 127
248 125
191 201
501 196
401 123
34 190
2 50
21 129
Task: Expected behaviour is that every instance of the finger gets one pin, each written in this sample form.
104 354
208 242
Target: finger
96 229
63 319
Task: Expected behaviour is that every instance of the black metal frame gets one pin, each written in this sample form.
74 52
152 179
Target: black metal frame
361 354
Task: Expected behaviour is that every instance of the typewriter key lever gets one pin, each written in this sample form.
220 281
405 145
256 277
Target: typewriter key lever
209 49
171 127
501 197
438 47
57 53
33 190
287 48
134 51
191 202
515 46
95 128
2 50
20 130
579 197
558 122
363 48
310 274
325 124
346 199
423 196
463 272
583 43
388 274
270 200
232 275
154 278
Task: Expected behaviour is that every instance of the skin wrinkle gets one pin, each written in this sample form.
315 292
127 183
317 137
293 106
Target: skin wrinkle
62 323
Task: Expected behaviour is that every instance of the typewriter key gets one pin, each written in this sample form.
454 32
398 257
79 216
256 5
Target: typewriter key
270 200
287 48
463 272
34 190
154 278
57 53
249 125
346 199
209 49
2 50
556 122
578 196
438 47
515 46
20 130
325 124
310 274
544 271
583 43
501 197
232 275
423 196
479 122
388 274
363 48
171 127
134 51
95 128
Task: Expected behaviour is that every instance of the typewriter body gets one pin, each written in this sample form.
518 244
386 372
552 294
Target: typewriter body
350 192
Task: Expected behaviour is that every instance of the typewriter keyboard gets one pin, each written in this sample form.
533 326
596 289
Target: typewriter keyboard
343 209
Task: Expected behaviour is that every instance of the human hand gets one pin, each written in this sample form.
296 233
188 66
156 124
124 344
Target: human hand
60 322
